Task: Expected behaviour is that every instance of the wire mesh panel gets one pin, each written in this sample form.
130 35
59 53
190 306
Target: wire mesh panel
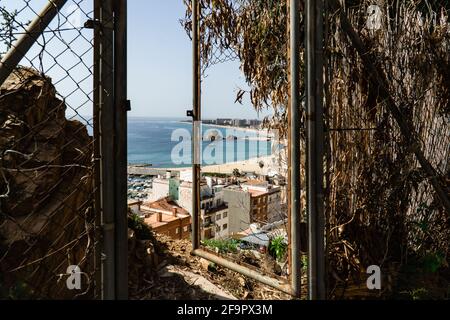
386 125
243 188
47 213
388 139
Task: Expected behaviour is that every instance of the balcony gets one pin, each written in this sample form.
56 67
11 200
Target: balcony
207 224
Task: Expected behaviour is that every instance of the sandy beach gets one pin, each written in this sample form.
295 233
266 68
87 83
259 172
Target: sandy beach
250 165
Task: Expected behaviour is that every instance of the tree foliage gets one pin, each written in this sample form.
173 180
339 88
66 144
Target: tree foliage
256 32
8 27
373 182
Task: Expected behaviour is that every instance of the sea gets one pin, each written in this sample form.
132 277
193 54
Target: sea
166 143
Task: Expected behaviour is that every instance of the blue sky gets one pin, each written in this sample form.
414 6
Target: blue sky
160 67
159 62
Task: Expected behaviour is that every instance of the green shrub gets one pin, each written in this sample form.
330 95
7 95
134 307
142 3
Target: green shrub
223 246
137 224
304 259
417 294
432 262
278 248
215 174
19 291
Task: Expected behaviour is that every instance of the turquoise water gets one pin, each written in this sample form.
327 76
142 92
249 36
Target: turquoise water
166 143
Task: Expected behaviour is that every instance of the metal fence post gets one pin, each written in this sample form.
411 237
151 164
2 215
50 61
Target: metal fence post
196 128
294 146
97 155
20 48
120 152
104 100
314 146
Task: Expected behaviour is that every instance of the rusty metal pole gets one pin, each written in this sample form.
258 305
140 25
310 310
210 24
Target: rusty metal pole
120 147
97 157
294 145
196 128
25 42
104 102
314 147
103 154
279 284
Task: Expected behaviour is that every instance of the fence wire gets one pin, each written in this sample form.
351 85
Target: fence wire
247 221
381 204
47 185
387 141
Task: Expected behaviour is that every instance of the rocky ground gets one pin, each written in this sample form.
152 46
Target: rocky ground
175 274
46 217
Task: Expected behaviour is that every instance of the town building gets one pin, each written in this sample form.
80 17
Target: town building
239 122
253 122
164 186
224 122
225 209
265 200
135 206
185 196
160 189
213 209
214 222
166 217
252 202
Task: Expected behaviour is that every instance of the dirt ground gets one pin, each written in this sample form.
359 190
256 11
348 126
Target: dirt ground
159 284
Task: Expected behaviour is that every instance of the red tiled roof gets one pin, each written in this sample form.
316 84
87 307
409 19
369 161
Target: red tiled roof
152 220
256 193
165 204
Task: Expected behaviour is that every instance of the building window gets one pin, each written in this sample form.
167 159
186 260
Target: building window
177 230
225 226
225 214
218 216
186 228
217 228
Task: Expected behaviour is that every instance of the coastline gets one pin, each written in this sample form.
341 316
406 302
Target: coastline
263 133
243 164
249 165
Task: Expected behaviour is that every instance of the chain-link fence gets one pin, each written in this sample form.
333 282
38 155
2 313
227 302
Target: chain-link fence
243 205
48 239
386 127
388 139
